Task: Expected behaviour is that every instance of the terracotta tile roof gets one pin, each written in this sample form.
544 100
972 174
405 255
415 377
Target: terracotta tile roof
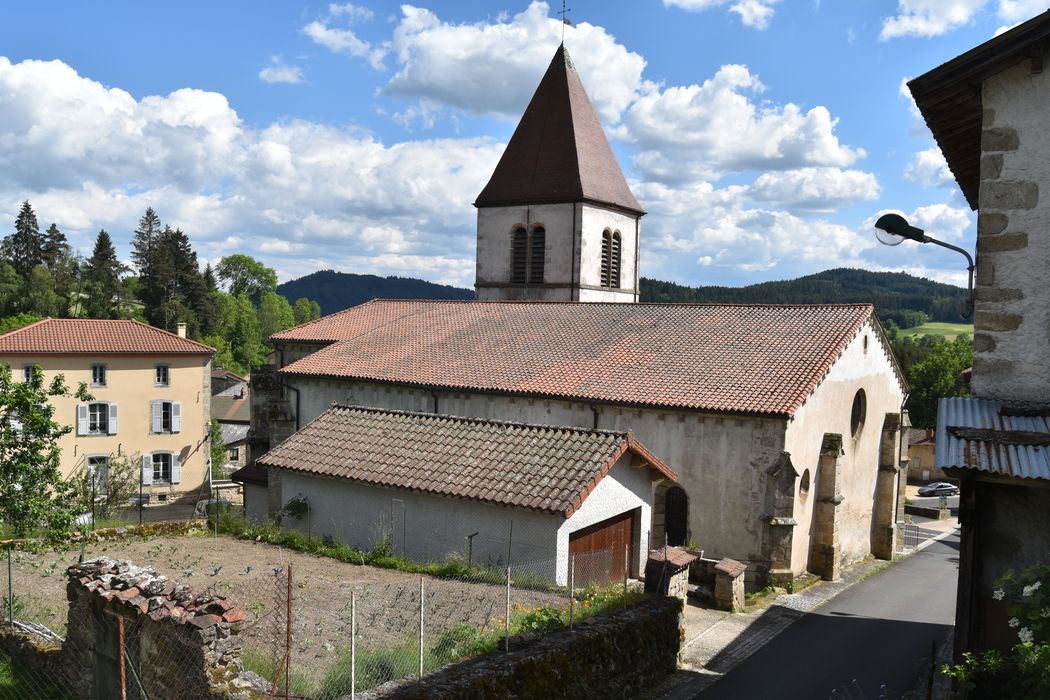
80 336
537 467
721 358
559 152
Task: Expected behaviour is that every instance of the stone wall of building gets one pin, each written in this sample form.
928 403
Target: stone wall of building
612 656
1013 300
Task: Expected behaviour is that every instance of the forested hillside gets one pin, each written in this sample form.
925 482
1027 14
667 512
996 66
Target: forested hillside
894 294
336 291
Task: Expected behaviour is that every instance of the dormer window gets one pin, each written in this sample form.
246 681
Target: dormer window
610 272
527 255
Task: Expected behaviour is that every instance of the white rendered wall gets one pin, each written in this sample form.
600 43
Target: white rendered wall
1012 321
256 503
828 410
721 461
623 489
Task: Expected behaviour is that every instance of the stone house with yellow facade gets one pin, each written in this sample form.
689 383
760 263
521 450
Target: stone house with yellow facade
150 389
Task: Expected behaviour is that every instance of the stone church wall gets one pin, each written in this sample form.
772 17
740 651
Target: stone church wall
864 364
1013 299
721 461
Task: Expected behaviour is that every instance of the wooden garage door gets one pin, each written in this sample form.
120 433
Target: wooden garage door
599 550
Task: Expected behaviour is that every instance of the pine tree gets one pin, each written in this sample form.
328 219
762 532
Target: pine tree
102 279
24 248
144 255
55 248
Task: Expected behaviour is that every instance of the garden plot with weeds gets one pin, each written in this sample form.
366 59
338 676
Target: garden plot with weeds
461 617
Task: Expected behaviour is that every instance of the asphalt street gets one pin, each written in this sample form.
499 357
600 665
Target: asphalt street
872 640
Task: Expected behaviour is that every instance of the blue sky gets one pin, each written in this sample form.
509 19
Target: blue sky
762 136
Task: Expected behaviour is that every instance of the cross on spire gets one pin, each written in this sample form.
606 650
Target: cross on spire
564 20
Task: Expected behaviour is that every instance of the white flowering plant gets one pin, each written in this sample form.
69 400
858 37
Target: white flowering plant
1023 671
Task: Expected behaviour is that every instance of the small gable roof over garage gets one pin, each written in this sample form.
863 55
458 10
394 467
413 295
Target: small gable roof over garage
543 468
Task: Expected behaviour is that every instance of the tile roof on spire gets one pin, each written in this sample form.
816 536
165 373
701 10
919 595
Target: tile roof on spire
559 152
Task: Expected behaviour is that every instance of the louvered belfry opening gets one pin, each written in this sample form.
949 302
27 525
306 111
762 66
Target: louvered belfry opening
536 253
519 251
610 273
527 256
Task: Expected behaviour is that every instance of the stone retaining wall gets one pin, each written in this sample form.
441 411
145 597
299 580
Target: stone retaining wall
613 656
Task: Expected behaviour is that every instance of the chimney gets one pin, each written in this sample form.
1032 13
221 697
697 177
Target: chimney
182 330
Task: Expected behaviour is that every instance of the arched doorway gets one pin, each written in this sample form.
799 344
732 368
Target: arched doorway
676 516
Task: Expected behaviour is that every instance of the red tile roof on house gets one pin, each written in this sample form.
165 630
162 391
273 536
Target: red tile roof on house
79 336
721 358
538 467
559 152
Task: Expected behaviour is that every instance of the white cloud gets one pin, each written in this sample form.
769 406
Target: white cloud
280 72
706 131
494 67
1020 10
926 18
753 13
928 167
813 189
89 157
342 39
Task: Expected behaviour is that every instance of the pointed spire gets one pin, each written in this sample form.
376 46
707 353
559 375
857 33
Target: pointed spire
559 152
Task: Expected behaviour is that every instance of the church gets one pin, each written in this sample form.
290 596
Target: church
557 414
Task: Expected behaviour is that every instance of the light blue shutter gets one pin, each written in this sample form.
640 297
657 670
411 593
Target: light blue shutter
157 416
82 419
113 419
147 469
176 469
176 417
15 422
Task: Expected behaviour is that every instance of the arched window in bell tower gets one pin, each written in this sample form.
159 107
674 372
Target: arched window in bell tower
536 252
527 255
519 248
610 271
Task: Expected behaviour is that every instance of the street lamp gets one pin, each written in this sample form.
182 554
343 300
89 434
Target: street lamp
894 229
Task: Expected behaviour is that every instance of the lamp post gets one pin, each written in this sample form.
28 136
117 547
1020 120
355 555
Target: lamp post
894 229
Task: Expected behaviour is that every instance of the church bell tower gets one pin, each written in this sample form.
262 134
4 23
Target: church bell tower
557 220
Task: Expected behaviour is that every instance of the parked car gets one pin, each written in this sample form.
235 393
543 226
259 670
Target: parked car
939 488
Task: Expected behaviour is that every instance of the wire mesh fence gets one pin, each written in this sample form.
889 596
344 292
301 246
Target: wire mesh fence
286 635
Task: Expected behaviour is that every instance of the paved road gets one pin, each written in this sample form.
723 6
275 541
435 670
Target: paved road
935 501
872 640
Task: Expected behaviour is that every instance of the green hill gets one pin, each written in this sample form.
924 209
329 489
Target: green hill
896 295
335 291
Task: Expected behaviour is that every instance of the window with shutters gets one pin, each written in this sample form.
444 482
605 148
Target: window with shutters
98 469
163 375
527 253
166 416
98 419
161 467
98 375
610 264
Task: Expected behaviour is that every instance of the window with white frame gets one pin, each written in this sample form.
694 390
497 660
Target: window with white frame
98 469
161 468
98 375
166 416
27 373
162 375
98 418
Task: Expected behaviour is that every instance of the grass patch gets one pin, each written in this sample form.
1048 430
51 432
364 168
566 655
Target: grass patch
17 683
948 331
876 568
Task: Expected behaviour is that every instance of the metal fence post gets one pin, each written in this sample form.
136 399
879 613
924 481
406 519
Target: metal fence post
10 589
353 644
420 626
510 543
288 639
506 630
626 570
572 589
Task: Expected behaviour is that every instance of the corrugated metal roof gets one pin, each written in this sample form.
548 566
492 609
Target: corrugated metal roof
994 436
233 432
